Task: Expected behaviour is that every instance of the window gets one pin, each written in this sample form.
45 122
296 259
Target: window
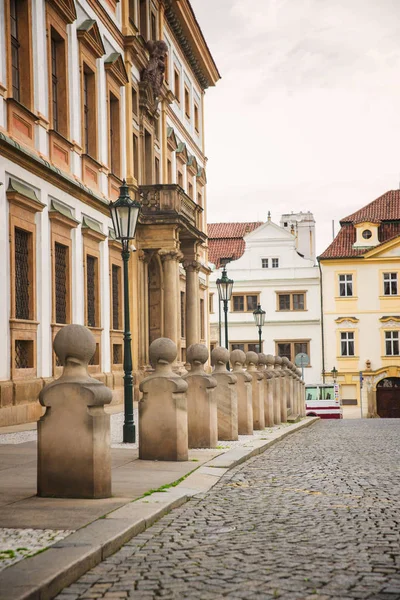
153 27
211 303
91 291
190 190
244 346
187 102
132 15
244 303
135 104
143 18
135 156
23 274
390 284
177 85
367 234
169 171
61 268
345 285
89 112
183 314
157 169
116 298
291 301
290 348
114 134
58 87
180 179
20 52
202 317
347 343
196 117
264 263
275 263
392 343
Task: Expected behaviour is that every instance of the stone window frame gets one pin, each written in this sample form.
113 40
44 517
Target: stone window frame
347 280
292 343
177 84
23 208
187 107
395 337
347 341
91 240
291 294
116 335
245 345
244 295
211 302
391 280
337 275
196 115
62 223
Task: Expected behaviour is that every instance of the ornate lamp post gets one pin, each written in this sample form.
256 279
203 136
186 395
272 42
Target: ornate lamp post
225 285
259 319
124 214
334 374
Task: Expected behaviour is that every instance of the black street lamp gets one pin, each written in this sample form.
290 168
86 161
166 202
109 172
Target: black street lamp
225 285
124 214
334 374
259 319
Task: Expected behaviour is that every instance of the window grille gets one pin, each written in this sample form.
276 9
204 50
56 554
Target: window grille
60 268
86 110
91 290
54 83
115 296
183 314
117 354
15 45
23 354
22 297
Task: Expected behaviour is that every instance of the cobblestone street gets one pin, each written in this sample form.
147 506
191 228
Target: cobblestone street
317 515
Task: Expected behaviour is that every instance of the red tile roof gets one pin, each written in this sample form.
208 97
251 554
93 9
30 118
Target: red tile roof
225 240
385 210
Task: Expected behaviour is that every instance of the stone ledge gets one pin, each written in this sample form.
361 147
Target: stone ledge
43 576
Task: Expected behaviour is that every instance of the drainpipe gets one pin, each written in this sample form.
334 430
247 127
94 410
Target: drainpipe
322 322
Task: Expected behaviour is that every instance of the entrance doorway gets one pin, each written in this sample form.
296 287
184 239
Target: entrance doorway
388 398
155 312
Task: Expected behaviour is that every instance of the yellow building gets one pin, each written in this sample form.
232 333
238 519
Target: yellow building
360 286
92 92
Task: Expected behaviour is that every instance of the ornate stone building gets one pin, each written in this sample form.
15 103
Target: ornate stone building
92 92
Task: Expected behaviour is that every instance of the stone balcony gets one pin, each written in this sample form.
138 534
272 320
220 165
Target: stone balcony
170 204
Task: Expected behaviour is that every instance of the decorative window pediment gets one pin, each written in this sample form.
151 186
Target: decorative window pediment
346 321
201 175
114 65
89 34
92 229
65 8
24 196
62 213
182 152
171 138
192 164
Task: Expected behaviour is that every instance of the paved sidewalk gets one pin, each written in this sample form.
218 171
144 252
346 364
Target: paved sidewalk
29 524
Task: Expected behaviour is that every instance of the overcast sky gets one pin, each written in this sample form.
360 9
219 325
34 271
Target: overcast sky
307 113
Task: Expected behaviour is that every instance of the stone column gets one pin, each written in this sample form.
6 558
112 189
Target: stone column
227 404
163 422
272 389
267 392
245 406
192 269
74 459
170 260
257 386
201 400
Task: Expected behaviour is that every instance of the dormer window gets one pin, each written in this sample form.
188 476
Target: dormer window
366 235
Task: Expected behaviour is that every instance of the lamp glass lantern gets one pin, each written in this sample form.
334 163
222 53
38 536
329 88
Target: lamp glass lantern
259 316
334 373
224 286
124 214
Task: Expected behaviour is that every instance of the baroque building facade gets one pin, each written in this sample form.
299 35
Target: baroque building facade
91 93
360 283
272 265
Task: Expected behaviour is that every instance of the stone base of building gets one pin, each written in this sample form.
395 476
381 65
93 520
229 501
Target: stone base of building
19 402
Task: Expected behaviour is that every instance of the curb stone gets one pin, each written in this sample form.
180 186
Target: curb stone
43 576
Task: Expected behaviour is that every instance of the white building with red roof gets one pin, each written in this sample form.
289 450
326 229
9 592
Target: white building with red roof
361 307
272 265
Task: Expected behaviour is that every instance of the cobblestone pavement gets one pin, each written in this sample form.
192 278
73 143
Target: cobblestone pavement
316 516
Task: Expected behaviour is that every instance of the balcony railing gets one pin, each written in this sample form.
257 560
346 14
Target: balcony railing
170 201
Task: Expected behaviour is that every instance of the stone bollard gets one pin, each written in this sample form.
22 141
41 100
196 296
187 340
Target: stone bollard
281 388
292 389
245 406
257 386
301 394
163 421
267 392
286 385
227 403
74 459
201 400
272 388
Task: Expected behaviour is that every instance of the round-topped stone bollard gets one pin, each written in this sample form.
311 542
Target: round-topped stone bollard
74 458
272 386
268 392
227 403
257 386
163 424
245 405
201 400
280 389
